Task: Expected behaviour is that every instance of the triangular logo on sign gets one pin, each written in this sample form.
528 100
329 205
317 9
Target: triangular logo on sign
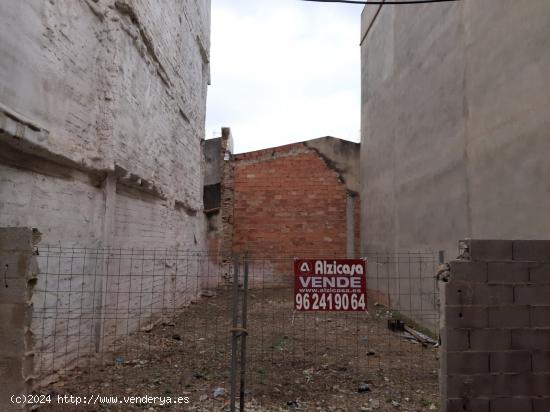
304 267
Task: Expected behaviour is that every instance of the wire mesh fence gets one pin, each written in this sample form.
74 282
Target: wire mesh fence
345 360
115 323
126 321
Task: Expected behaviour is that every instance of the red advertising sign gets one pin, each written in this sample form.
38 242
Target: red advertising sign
330 285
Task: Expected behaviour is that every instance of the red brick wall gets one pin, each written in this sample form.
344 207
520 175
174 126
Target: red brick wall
288 202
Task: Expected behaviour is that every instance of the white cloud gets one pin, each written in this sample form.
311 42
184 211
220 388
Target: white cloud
284 71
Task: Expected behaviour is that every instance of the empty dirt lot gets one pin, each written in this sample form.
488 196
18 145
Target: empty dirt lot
296 361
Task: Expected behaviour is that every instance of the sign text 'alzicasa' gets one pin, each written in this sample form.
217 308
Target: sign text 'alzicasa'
330 285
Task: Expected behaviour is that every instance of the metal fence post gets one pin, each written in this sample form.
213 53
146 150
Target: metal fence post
244 334
234 338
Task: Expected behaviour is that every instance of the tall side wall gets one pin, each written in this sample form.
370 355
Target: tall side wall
495 331
96 88
102 108
455 125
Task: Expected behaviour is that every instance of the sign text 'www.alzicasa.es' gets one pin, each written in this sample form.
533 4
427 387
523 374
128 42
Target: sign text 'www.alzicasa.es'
330 285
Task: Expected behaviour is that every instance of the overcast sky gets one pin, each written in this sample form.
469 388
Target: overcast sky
284 71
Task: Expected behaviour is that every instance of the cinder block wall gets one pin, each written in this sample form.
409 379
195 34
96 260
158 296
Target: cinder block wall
496 328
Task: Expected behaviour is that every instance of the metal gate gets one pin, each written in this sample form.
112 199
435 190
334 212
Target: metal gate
221 333
381 359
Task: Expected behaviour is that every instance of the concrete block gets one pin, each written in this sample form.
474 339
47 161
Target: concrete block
530 339
511 405
465 293
12 343
455 339
467 271
540 384
510 362
9 389
490 339
532 250
12 317
14 286
466 317
463 363
497 295
470 386
541 361
509 317
524 384
540 316
15 239
532 294
467 405
539 273
508 272
11 369
490 250
541 404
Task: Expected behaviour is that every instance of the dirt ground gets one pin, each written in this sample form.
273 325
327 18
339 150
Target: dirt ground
295 362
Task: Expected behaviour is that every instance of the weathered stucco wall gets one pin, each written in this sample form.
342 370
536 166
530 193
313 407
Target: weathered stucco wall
102 108
342 155
111 89
455 126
